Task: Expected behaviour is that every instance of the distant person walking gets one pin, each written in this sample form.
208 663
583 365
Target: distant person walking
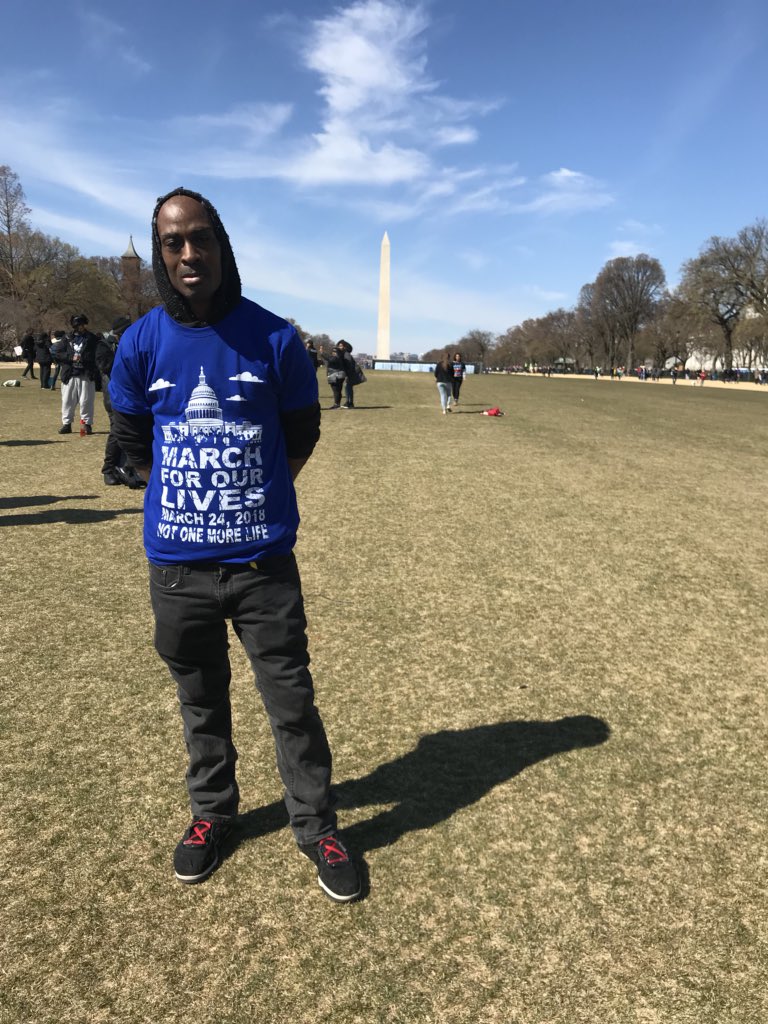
28 354
444 378
459 368
43 357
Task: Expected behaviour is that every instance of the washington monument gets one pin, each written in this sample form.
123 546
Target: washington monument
382 336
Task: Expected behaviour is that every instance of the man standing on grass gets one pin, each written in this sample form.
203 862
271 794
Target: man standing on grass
78 376
215 403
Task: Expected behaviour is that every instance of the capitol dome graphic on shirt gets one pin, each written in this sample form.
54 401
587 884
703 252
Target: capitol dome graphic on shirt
204 419
204 409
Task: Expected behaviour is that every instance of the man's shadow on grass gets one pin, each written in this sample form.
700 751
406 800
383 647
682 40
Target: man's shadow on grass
445 772
68 517
24 444
26 501
358 408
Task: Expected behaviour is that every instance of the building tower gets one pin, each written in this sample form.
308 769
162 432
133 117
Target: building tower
131 283
382 336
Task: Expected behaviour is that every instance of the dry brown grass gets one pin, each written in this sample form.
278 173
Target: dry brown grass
539 647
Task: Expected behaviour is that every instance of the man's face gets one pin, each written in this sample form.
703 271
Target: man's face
191 251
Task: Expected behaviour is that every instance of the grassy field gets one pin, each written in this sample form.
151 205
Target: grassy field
539 645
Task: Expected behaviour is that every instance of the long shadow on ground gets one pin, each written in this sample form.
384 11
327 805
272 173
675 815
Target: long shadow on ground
358 408
68 517
25 501
24 444
446 771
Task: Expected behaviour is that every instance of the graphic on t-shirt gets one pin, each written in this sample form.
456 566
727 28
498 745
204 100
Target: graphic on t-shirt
211 472
204 416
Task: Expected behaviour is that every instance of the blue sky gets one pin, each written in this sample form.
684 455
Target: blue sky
508 149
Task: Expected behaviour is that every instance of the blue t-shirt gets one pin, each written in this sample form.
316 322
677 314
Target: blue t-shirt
220 488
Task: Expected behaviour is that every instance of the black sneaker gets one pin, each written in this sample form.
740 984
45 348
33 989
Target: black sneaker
130 477
111 479
198 851
65 428
337 876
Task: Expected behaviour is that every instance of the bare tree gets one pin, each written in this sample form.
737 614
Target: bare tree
750 340
513 347
744 260
595 327
299 329
474 346
149 296
13 219
626 293
708 284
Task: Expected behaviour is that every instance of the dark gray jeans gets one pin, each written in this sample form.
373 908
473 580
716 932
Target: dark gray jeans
192 604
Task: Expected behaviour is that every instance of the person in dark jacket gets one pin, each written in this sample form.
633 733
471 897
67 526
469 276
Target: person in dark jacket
444 378
28 354
43 357
115 468
340 367
58 345
312 353
77 359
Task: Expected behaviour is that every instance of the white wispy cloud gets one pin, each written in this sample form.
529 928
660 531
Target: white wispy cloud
371 56
712 61
384 123
474 259
109 39
42 147
458 135
252 122
488 198
382 115
74 227
546 294
236 398
638 227
567 191
625 247
160 385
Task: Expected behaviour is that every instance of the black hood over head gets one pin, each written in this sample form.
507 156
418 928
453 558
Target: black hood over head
229 292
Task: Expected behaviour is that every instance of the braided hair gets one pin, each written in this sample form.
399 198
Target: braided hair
228 294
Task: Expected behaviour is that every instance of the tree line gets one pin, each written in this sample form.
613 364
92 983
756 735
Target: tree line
44 280
625 317
628 317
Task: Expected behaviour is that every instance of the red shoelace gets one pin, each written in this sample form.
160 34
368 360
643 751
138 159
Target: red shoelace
332 851
199 830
